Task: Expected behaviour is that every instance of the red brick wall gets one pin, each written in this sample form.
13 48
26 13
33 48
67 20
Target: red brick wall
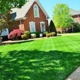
30 17
77 18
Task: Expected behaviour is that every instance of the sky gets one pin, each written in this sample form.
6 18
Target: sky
49 5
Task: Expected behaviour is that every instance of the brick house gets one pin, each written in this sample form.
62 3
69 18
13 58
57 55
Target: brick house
30 17
75 15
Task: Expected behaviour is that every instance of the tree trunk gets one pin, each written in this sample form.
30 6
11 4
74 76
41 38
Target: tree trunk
0 40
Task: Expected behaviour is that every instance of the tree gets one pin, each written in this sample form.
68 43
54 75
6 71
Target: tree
5 8
6 5
61 16
52 27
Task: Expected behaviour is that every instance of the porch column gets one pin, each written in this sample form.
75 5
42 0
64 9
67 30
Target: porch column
21 25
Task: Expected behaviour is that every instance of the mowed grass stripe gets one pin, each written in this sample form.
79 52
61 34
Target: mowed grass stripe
53 58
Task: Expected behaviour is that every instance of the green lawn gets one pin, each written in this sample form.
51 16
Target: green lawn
44 59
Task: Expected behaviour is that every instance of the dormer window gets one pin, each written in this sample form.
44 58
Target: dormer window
36 11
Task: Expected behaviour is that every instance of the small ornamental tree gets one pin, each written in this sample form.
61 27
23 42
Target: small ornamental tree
15 34
52 27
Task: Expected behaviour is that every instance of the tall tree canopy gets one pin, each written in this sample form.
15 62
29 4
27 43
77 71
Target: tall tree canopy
61 16
5 7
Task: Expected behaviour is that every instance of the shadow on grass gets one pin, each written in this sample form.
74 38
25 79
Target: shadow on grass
38 65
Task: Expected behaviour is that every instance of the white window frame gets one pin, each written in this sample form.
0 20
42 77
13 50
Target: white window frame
42 30
32 26
37 11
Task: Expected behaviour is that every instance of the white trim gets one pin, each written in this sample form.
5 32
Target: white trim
32 26
36 14
42 26
24 11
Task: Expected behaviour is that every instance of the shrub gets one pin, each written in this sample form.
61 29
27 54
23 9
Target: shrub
50 34
27 34
24 36
53 28
76 27
15 34
37 33
44 33
33 35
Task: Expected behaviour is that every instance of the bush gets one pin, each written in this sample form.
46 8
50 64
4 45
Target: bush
50 34
15 34
37 33
76 27
24 36
53 28
27 34
44 33
33 35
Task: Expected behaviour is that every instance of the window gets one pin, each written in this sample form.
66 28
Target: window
36 11
42 26
32 27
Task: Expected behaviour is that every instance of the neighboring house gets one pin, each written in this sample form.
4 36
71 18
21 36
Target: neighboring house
76 16
30 17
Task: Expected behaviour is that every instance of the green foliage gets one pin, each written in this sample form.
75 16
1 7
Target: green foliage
44 33
51 34
53 28
3 23
76 27
37 33
61 16
6 5
25 35
33 35
43 59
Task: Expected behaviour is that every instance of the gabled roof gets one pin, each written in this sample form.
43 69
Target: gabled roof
74 12
20 13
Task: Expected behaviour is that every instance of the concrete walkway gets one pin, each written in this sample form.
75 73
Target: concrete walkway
17 41
75 75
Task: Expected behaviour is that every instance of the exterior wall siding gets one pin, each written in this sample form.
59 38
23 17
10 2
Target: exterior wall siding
30 17
77 18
